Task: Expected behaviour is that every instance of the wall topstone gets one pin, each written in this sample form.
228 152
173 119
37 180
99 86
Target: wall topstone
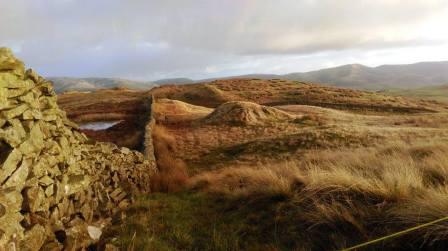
57 190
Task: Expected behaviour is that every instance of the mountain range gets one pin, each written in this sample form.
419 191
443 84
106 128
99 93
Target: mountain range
63 84
356 76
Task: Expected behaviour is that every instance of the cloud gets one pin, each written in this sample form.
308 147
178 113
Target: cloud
146 39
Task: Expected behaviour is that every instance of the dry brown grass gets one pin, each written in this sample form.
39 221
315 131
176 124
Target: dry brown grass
206 146
284 92
169 111
245 181
172 175
246 113
347 196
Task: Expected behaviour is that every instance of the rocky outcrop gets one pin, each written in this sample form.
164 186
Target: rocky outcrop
57 190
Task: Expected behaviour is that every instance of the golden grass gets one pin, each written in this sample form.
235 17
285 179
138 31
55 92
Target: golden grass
244 181
169 111
172 175
284 92
349 195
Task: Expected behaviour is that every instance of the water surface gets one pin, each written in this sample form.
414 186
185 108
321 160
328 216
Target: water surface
99 125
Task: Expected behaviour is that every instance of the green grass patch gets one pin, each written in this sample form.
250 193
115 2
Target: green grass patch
196 221
177 221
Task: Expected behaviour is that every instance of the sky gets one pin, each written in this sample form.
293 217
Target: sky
149 39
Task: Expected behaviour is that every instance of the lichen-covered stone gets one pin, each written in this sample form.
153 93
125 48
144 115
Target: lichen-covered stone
16 111
33 238
4 102
51 182
10 228
34 143
10 165
18 178
14 134
9 62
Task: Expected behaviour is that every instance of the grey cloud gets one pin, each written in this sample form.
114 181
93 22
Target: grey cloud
142 39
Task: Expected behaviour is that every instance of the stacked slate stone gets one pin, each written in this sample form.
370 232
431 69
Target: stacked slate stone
57 190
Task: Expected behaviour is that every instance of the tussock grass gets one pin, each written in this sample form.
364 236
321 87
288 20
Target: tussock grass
172 175
247 181
334 199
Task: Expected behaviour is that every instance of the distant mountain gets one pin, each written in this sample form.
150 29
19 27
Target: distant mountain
354 76
173 81
62 84
359 76
381 77
254 75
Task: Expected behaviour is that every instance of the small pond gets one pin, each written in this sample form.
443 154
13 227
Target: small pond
98 125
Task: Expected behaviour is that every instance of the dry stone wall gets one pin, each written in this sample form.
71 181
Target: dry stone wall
57 190
148 143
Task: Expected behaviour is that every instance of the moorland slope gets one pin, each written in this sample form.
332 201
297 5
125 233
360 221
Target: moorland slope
286 165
